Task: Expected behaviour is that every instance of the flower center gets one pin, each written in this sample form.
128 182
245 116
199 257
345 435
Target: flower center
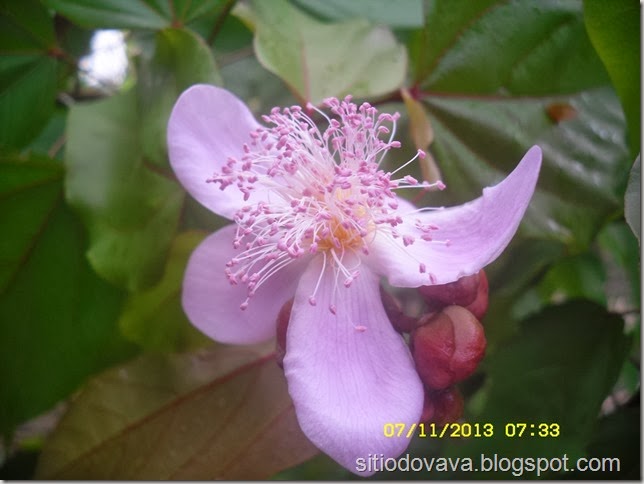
318 192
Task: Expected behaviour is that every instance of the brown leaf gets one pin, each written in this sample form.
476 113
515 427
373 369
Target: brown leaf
220 414
422 134
420 128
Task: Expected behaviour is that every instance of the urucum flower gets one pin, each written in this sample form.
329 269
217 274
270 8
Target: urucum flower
316 219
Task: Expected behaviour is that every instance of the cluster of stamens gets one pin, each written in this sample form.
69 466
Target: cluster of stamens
321 192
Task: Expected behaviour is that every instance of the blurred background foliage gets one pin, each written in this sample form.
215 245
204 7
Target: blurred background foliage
102 376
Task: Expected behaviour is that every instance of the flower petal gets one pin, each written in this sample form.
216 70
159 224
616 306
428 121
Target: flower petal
212 304
349 374
477 232
207 126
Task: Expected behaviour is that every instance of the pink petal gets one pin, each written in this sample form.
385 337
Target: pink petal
477 232
207 126
349 374
212 304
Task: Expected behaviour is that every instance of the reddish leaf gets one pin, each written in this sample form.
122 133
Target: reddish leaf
221 414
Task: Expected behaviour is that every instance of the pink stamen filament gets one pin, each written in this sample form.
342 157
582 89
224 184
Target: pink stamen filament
324 190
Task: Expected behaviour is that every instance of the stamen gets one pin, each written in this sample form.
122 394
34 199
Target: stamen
312 300
323 193
419 154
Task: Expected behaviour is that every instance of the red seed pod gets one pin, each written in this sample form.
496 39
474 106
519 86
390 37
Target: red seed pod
447 347
400 321
283 318
478 307
459 293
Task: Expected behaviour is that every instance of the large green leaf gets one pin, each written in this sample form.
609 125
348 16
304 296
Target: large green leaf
512 277
507 48
154 318
395 13
131 209
27 71
38 185
577 277
633 197
569 355
51 140
622 260
230 37
180 59
318 60
614 29
585 158
57 319
260 89
619 435
132 14
498 77
221 414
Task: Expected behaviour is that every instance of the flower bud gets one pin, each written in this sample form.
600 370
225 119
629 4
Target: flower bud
429 409
447 347
459 293
283 318
400 321
442 406
448 406
478 307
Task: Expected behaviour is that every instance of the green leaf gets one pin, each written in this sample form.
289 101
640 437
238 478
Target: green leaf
28 191
132 14
154 319
232 38
51 140
622 260
444 22
618 435
57 319
580 276
137 14
506 48
180 60
498 77
260 89
511 278
632 199
130 208
27 71
614 30
521 264
124 195
73 39
558 370
477 141
189 10
566 354
319 60
395 13
221 414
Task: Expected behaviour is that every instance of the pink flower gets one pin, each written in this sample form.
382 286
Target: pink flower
315 218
